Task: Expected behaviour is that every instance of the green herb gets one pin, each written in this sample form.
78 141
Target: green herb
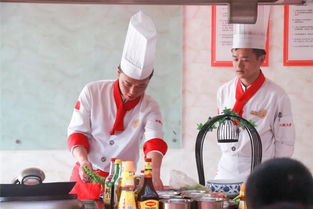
94 177
228 111
240 123
199 126
195 187
236 199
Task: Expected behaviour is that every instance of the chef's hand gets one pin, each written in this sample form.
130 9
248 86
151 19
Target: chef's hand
83 176
80 154
157 183
156 169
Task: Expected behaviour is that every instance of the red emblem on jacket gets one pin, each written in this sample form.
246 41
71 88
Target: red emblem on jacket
158 121
285 124
77 105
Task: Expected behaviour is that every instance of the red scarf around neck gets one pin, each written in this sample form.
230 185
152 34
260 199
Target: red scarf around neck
242 97
121 108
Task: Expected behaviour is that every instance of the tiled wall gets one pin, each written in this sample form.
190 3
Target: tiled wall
200 82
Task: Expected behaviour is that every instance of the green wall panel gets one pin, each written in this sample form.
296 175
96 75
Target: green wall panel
50 51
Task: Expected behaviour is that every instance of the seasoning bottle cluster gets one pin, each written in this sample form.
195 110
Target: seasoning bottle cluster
121 191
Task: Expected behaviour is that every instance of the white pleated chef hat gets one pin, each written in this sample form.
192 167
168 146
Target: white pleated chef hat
252 35
139 48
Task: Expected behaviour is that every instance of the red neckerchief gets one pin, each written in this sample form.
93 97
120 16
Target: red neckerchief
121 108
242 97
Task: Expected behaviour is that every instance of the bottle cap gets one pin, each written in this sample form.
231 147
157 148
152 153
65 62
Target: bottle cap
118 161
242 190
148 160
128 166
113 159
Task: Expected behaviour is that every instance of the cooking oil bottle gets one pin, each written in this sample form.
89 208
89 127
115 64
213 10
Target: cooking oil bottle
127 198
147 197
118 187
242 203
117 168
108 186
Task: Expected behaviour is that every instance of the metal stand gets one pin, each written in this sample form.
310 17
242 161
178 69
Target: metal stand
256 144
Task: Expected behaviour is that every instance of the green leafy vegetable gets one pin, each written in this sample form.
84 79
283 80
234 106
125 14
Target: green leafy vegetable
94 177
195 187
236 199
226 111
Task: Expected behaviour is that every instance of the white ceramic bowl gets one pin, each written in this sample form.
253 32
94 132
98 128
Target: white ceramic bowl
231 187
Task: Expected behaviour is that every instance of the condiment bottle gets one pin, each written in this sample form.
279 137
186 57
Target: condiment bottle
118 186
148 198
242 202
127 198
117 168
108 185
139 182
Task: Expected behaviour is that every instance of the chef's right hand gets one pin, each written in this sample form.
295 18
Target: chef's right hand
83 176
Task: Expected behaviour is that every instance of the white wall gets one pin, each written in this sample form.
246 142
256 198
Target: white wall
200 82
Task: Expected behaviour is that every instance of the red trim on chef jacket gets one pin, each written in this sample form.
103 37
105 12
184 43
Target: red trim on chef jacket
155 144
242 97
121 108
77 139
86 191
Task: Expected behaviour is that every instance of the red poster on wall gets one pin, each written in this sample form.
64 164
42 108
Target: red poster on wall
222 38
298 35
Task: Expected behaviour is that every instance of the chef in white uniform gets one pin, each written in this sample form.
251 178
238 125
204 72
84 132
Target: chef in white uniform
111 119
254 98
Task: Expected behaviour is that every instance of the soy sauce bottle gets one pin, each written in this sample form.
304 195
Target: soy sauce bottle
147 197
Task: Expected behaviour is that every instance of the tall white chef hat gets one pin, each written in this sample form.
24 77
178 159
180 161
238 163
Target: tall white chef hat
139 48
252 35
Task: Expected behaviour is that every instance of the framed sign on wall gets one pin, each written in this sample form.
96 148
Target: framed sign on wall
298 35
222 35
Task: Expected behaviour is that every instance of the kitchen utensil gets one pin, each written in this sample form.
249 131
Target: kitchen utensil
175 204
43 204
210 203
193 194
39 196
30 176
228 131
43 189
90 204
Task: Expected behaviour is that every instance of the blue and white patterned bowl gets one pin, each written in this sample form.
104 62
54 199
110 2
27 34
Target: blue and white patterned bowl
231 187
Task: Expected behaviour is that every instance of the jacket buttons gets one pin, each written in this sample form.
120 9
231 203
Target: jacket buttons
103 159
233 148
111 142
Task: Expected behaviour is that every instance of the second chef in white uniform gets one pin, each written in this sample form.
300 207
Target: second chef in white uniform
255 98
112 118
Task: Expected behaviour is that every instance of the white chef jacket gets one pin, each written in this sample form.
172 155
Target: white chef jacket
95 117
270 109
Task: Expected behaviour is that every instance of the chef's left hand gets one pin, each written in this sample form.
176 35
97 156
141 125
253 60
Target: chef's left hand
157 183
156 170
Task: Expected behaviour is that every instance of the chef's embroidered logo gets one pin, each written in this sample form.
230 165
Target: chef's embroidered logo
135 123
77 105
260 114
285 124
158 121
